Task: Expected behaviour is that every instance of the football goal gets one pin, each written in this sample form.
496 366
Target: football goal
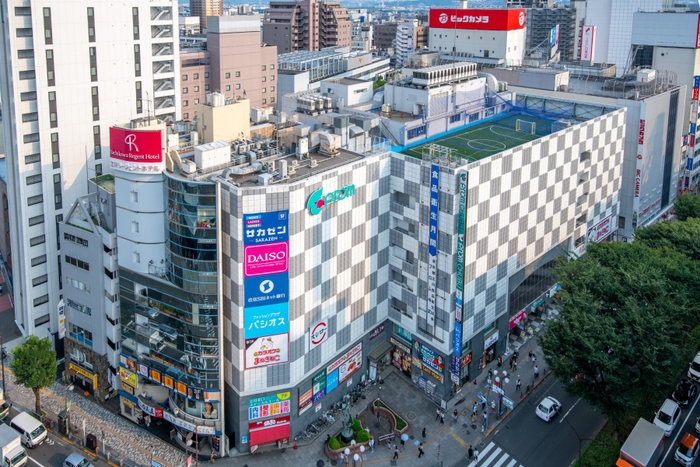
525 126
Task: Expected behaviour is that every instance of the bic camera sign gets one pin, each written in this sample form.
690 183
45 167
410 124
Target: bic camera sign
318 200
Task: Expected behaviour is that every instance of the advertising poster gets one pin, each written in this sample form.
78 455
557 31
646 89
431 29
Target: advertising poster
127 377
262 321
429 357
319 386
268 350
353 364
265 227
432 242
305 401
331 381
269 406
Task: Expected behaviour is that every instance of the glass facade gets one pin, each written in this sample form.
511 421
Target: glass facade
170 315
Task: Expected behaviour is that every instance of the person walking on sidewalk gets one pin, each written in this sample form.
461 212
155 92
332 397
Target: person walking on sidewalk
470 452
371 443
534 359
537 372
442 417
483 402
476 455
342 458
437 414
517 384
511 361
475 407
396 453
423 433
485 422
420 450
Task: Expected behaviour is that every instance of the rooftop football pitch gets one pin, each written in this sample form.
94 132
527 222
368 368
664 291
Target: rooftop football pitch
489 138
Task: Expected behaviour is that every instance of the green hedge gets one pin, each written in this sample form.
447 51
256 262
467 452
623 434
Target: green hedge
355 425
333 443
362 436
400 422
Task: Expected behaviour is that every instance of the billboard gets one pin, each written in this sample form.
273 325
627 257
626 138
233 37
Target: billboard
588 43
265 227
601 230
472 18
260 321
553 41
319 333
267 350
266 290
269 406
432 242
269 258
134 150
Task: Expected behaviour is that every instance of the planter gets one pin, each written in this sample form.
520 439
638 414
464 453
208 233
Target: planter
399 426
334 454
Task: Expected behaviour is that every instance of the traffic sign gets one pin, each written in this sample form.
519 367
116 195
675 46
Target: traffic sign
507 402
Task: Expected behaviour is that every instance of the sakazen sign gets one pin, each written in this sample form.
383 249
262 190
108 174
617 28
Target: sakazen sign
318 200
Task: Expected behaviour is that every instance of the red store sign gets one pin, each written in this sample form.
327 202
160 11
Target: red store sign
472 18
269 422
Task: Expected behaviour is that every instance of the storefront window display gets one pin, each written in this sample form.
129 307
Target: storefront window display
401 357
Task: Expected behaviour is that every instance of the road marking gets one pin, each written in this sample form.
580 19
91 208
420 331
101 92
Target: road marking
569 411
458 439
497 457
36 461
492 456
673 443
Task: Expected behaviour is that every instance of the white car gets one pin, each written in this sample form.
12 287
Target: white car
76 460
694 369
548 408
667 417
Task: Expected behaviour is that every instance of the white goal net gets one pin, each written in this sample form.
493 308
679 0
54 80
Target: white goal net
525 126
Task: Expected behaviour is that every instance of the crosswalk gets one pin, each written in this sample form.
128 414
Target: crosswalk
493 456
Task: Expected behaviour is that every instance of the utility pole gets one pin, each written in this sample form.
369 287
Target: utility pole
3 354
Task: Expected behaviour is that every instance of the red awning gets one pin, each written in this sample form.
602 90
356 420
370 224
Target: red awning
270 435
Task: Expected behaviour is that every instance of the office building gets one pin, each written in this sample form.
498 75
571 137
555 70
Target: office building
306 25
541 21
69 71
205 8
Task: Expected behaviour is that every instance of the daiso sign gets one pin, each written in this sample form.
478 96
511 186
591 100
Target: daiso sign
271 258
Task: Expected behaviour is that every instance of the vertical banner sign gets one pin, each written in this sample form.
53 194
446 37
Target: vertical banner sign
459 301
266 288
432 241
639 165
693 120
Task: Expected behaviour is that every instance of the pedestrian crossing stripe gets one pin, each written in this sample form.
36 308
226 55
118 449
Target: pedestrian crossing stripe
493 456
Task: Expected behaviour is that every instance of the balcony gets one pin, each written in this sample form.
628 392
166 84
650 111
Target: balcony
161 14
161 32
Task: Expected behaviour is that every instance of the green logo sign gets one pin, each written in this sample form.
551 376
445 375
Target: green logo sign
318 200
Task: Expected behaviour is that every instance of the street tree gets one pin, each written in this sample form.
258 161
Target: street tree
34 365
680 236
618 340
687 206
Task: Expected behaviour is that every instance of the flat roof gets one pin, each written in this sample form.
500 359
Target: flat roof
488 138
106 181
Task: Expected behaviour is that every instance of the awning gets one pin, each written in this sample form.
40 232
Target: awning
623 463
270 435
377 353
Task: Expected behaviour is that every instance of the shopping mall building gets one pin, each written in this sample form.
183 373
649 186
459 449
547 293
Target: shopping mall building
277 282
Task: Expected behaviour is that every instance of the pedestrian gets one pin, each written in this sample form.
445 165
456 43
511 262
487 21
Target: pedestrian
442 417
537 372
347 459
420 450
534 359
511 361
490 373
423 433
516 354
328 438
342 458
515 365
483 402
437 414
388 443
396 453
476 455
471 452
475 407
148 420
485 422
517 384
529 355
403 443
211 458
371 443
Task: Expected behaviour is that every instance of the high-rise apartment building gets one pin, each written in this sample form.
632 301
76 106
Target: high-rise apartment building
384 35
69 71
306 25
204 8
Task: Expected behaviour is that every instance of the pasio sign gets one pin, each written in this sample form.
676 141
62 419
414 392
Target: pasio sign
133 150
318 200
472 18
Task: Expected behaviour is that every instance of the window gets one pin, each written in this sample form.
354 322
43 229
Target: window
28 96
272 89
23 11
24 32
43 279
272 78
77 306
185 103
136 257
206 74
238 86
38 260
206 87
196 101
37 199
195 76
184 77
264 101
238 74
264 68
264 90
186 115
58 200
48 36
228 87
98 169
272 67
621 222
196 89
37 240
32 158
30 117
272 100
41 300
74 239
28 74
42 320
134 226
79 334
25 53
185 90
585 156
227 75
264 78
33 179
77 263
134 196
77 284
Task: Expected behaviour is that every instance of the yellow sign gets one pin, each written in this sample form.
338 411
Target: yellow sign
80 371
94 381
128 377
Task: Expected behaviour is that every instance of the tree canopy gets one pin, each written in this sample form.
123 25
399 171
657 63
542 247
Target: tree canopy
34 365
625 315
687 206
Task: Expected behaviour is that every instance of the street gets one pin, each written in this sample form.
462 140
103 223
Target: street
524 439
686 424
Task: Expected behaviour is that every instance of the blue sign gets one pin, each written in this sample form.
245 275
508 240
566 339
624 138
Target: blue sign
689 164
400 331
331 381
319 395
266 289
265 227
261 321
696 82
554 36
458 339
692 128
433 222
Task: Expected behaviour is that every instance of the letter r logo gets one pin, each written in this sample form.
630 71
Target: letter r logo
130 141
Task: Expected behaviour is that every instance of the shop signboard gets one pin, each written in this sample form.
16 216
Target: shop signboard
84 373
489 341
432 373
352 364
454 367
61 319
155 376
601 230
201 429
466 360
430 358
457 347
269 406
400 331
376 332
461 228
305 401
319 386
267 350
336 364
588 36
318 200
268 258
517 320
265 227
266 290
432 242
400 345
268 423
477 19
133 150
261 321
156 412
127 377
331 381
318 334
